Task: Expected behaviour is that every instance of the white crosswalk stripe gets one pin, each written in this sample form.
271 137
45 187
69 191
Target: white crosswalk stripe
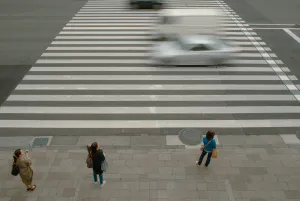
136 69
151 87
97 74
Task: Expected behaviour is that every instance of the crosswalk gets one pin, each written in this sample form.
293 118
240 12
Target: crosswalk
96 78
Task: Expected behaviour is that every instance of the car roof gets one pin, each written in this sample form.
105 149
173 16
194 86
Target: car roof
197 39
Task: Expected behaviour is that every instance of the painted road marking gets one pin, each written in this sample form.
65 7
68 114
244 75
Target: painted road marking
151 110
142 98
255 87
292 35
260 123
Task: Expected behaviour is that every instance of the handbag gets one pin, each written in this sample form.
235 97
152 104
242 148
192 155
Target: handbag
202 147
104 166
89 161
15 170
215 153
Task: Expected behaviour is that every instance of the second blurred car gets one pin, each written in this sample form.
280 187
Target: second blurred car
193 50
146 4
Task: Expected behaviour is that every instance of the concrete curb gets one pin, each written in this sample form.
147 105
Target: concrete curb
149 142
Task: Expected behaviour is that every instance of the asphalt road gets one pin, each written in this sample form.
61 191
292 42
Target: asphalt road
26 29
274 12
267 11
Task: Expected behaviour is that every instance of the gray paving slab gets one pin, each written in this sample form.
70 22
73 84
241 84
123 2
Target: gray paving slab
22 141
138 131
250 140
69 192
104 140
292 194
64 140
147 140
162 178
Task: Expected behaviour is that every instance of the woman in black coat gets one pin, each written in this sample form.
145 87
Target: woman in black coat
98 158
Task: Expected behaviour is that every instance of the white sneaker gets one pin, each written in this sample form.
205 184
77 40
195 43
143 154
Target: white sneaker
96 182
104 182
197 164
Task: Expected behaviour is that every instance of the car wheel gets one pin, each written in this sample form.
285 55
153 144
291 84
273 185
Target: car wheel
169 62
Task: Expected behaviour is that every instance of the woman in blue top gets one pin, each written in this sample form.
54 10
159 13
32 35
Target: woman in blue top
209 145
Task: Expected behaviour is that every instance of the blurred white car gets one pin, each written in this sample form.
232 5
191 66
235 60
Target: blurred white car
193 50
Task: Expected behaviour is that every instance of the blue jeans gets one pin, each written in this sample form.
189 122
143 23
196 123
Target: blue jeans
208 158
100 176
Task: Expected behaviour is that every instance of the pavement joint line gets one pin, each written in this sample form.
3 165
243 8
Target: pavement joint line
229 190
275 63
79 179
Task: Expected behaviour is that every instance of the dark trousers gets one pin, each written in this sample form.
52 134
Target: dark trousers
202 156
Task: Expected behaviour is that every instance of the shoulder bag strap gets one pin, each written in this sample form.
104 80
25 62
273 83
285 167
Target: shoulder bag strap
207 143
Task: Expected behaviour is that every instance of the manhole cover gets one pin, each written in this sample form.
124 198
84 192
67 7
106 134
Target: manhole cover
191 137
39 142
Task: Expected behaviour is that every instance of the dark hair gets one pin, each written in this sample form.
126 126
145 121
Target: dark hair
16 155
210 134
94 147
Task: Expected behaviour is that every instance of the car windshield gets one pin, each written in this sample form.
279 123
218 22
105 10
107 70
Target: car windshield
214 44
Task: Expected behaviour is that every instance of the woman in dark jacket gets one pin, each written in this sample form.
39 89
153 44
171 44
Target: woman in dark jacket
98 158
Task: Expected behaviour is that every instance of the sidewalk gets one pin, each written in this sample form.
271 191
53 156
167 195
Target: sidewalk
147 173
